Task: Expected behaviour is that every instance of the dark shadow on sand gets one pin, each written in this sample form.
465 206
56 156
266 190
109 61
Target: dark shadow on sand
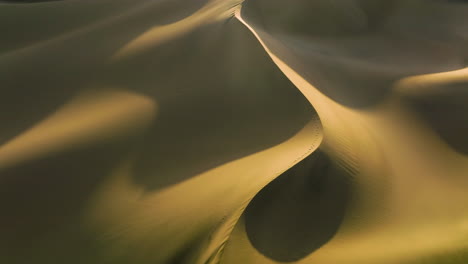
219 98
300 211
36 81
445 110
343 49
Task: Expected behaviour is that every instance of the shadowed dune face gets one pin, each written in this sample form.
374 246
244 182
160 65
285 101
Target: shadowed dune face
26 24
354 51
320 17
362 71
164 132
27 1
42 198
443 106
44 63
252 105
236 79
218 97
446 114
300 211
354 17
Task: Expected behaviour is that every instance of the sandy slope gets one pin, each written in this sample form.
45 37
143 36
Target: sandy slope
124 141
419 208
168 131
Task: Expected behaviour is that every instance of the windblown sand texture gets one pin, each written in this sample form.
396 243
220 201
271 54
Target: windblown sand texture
234 132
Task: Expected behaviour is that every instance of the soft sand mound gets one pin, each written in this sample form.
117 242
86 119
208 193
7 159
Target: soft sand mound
168 131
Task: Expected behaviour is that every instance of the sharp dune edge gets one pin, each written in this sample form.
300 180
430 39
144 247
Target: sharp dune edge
232 132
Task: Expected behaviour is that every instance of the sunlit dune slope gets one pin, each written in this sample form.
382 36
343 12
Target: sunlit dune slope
228 131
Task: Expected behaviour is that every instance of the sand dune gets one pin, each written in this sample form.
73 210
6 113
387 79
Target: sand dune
228 131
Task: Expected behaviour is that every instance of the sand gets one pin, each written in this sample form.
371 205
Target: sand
211 131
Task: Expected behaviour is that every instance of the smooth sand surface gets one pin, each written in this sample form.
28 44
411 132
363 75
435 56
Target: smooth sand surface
223 131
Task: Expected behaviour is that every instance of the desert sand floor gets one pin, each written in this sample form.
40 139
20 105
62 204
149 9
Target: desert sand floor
234 132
